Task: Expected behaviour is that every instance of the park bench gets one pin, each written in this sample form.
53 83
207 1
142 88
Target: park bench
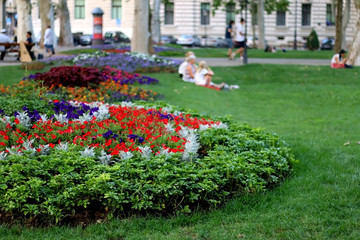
20 48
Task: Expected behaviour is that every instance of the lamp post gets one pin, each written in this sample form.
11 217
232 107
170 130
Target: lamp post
295 31
205 25
244 5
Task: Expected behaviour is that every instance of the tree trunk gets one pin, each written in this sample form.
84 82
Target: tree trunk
155 29
261 26
23 8
338 30
47 17
355 48
140 37
150 41
345 22
253 19
65 38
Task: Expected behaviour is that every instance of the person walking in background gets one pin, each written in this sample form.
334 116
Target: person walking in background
240 40
3 39
229 37
29 44
49 41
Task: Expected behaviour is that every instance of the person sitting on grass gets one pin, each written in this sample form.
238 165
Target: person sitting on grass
339 60
189 74
183 65
203 77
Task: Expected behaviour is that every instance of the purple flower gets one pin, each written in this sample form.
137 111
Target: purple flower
107 134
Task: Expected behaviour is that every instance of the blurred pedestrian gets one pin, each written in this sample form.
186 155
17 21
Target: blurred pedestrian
3 39
229 37
240 39
49 41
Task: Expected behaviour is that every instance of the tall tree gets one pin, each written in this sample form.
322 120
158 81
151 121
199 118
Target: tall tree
338 25
23 8
155 29
345 22
140 38
65 38
46 12
355 47
253 11
261 23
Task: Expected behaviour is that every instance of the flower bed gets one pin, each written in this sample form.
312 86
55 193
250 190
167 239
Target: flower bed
87 84
129 62
86 161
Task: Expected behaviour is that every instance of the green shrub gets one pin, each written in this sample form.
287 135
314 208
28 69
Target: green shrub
64 187
312 42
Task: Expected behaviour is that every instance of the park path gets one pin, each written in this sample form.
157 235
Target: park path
222 62
10 60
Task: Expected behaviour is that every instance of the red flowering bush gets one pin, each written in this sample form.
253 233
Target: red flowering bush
70 76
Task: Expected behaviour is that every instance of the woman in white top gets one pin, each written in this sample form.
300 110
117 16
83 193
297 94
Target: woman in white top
204 75
190 69
182 67
338 60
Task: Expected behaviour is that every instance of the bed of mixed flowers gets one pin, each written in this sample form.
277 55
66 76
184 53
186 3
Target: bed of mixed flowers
114 131
126 61
87 84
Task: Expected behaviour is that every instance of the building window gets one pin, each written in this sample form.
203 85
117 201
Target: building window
306 15
230 12
205 13
79 9
116 9
330 16
169 13
280 18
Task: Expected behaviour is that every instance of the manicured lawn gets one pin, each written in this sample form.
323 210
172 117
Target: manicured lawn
314 109
253 53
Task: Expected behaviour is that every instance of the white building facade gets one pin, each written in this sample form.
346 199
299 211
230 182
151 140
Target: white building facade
195 17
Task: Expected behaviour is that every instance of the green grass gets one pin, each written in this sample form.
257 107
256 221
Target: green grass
252 53
314 109
79 51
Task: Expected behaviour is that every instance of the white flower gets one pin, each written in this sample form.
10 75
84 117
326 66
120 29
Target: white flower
6 120
125 155
88 152
3 155
105 158
127 104
220 125
61 118
14 150
85 118
203 127
191 146
24 119
169 127
45 150
146 152
43 117
62 146
102 113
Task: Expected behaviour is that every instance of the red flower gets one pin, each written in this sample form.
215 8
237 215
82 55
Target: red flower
16 121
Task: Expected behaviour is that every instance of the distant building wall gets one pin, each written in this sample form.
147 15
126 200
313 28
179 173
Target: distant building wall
187 20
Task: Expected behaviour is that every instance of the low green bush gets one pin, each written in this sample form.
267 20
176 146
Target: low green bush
64 187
